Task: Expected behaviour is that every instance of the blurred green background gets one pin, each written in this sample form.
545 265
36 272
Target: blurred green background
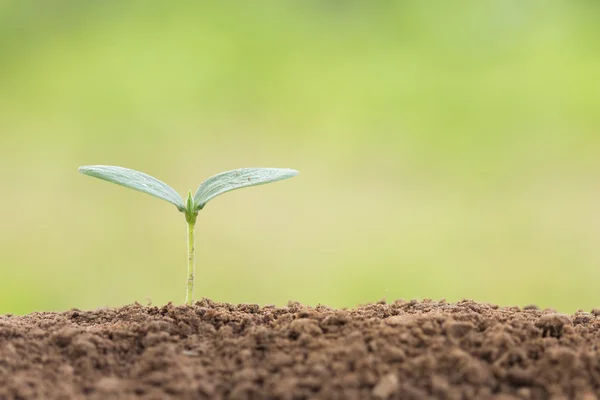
446 150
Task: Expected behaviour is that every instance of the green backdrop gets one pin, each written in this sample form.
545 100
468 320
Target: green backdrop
446 150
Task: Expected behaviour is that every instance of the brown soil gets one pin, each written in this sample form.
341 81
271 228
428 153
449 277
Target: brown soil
403 350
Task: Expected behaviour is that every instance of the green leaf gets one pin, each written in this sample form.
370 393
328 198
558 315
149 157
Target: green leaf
237 179
135 180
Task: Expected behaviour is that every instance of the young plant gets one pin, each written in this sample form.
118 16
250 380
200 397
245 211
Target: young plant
209 189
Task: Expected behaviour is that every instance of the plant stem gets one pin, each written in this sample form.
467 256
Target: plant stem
191 268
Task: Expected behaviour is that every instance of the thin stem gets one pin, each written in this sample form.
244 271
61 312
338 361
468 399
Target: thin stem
191 268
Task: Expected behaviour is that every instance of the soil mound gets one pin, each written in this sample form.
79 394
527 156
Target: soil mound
402 350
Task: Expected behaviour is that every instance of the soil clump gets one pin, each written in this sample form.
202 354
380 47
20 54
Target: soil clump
401 350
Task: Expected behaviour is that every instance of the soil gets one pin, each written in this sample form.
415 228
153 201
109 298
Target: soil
402 350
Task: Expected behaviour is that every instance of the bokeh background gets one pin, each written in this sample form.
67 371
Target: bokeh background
446 150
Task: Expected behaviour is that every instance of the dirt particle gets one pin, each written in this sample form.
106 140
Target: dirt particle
280 360
303 325
581 318
588 395
458 329
82 347
553 324
440 386
393 354
244 391
64 336
524 393
387 385
206 388
399 320
564 357
152 338
339 318
108 385
518 376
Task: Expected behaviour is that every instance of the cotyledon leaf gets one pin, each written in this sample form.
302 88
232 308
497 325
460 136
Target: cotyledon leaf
135 180
237 179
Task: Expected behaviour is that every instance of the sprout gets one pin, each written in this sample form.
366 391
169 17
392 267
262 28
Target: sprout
209 189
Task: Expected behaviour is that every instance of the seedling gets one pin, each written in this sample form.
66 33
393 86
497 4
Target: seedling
209 189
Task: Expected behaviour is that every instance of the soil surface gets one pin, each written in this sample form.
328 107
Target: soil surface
402 350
